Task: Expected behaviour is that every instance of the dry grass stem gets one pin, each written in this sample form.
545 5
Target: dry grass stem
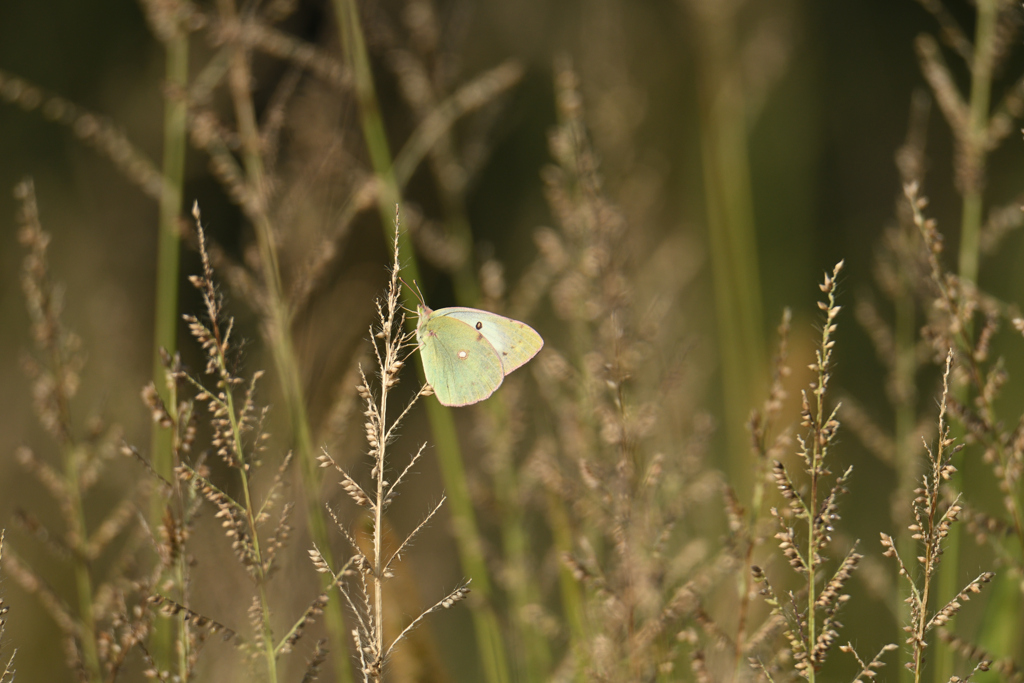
365 592
103 609
808 523
933 517
237 436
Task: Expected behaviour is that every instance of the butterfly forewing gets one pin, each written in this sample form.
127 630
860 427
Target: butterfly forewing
514 342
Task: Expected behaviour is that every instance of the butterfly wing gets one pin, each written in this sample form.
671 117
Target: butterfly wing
459 362
515 342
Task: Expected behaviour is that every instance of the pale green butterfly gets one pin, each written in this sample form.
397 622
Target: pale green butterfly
467 352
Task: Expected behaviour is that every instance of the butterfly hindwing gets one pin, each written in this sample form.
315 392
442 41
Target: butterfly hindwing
515 342
459 362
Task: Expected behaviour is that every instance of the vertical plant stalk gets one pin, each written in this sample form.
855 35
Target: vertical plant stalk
390 365
910 163
238 439
222 406
165 335
396 344
276 325
162 640
958 300
531 654
83 576
569 588
489 641
906 349
975 143
811 615
528 647
974 150
821 429
731 231
53 343
269 655
761 424
933 517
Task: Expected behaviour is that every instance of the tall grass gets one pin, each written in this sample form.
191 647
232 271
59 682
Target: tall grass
638 503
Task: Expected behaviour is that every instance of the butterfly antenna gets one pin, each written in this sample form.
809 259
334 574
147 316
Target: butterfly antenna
415 289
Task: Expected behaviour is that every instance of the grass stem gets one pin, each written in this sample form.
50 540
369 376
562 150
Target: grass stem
732 236
489 641
166 317
278 332
974 153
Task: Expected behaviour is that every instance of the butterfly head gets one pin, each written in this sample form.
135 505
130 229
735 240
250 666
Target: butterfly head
423 313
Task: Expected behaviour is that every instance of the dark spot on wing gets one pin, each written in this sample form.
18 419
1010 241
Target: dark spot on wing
479 326
479 336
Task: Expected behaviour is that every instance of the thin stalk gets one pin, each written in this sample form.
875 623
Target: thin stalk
269 655
531 647
923 620
975 145
379 563
378 551
906 467
370 120
569 588
165 334
467 289
45 312
739 664
743 583
83 576
378 511
811 542
162 636
972 174
277 330
489 641
821 435
757 508
573 597
731 233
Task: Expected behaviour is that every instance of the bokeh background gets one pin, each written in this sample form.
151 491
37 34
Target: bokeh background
831 85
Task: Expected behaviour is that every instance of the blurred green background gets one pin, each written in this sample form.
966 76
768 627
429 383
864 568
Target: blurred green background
836 82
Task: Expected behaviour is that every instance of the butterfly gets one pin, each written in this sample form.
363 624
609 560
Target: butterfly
467 352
